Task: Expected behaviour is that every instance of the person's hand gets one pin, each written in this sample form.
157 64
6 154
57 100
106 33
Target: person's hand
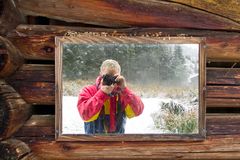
107 89
121 82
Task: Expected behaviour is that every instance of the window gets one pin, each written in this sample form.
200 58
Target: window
164 74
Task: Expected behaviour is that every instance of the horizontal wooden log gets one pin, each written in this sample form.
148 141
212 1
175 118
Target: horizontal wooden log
34 73
14 110
11 58
223 48
222 102
219 76
36 46
223 92
37 42
225 8
35 83
13 149
223 124
124 14
36 92
227 147
39 30
38 126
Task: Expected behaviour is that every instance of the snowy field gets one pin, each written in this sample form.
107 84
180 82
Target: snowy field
143 124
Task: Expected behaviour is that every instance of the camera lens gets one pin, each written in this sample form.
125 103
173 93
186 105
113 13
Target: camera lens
108 80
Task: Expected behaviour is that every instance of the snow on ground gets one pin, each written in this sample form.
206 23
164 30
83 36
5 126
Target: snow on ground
143 124
71 120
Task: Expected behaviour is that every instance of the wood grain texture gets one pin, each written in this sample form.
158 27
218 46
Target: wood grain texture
14 110
224 48
34 73
215 147
37 42
224 8
223 102
31 30
38 126
223 92
13 149
223 124
219 76
36 47
117 13
12 59
35 83
35 92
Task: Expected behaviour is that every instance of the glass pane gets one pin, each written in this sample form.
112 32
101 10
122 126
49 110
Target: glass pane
164 76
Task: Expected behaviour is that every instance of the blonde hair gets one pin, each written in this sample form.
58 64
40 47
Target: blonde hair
110 64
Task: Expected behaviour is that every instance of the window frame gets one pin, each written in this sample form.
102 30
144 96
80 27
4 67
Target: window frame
107 38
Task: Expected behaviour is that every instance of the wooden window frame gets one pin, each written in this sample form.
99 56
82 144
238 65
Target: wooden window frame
107 38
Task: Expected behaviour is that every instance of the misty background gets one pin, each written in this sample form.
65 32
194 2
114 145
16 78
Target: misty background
140 63
165 76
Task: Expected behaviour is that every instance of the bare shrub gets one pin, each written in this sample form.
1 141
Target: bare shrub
173 118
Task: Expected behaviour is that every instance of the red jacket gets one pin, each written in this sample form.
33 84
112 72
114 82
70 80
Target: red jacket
92 100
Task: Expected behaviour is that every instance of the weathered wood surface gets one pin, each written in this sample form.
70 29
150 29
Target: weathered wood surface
10 57
13 149
10 16
38 126
36 92
36 84
36 47
31 30
223 124
34 73
14 110
215 147
225 48
223 87
37 42
223 92
222 102
225 8
117 13
218 76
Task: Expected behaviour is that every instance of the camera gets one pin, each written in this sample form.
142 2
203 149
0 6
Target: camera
109 80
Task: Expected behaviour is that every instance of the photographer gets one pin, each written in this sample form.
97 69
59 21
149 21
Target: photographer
105 105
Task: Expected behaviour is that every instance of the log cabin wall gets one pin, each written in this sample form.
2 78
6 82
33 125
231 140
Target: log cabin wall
27 86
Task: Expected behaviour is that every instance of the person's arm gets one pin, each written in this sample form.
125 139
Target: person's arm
90 102
132 104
